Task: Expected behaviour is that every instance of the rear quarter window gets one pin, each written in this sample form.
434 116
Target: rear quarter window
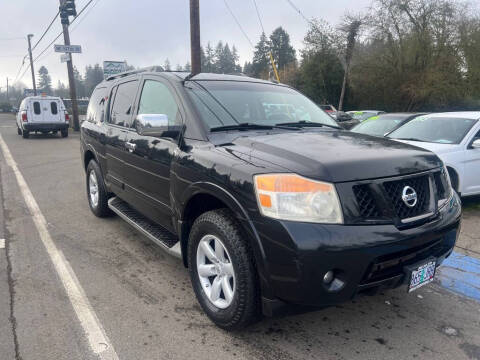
36 108
54 108
95 110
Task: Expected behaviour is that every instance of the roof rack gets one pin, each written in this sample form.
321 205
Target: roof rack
155 68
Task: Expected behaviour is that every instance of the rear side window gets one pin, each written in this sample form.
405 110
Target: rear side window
54 108
36 108
95 111
121 110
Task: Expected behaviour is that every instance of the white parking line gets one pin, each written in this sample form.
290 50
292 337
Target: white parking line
94 331
2 243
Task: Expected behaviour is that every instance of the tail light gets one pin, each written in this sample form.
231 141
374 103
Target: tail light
24 116
67 117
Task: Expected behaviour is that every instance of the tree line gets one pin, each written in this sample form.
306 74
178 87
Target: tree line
403 55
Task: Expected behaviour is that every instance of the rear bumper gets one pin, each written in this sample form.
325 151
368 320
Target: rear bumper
44 126
362 257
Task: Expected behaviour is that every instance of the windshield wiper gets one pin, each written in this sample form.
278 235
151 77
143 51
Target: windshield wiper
303 123
249 126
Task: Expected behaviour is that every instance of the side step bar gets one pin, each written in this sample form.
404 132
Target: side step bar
159 235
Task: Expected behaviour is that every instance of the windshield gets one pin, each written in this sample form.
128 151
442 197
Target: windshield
223 103
362 115
378 125
435 129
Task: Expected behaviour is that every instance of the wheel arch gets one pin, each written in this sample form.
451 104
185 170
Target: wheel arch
454 177
88 155
202 197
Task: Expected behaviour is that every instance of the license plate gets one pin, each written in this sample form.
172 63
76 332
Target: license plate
422 275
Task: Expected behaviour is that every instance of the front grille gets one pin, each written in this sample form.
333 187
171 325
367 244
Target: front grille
394 190
366 202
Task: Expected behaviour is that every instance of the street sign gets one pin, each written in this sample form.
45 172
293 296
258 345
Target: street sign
113 67
68 48
65 57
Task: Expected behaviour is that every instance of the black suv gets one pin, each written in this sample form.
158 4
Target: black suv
260 193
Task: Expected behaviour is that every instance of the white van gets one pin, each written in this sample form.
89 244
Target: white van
42 114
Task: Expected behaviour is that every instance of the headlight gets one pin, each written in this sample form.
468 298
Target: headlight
293 197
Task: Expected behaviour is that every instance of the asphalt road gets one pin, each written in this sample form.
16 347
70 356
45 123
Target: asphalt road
143 299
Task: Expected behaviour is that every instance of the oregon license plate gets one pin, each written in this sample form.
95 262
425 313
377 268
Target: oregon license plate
422 275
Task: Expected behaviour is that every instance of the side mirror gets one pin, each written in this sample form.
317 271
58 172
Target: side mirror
476 144
155 125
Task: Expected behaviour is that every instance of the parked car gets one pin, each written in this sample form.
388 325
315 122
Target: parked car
265 207
455 138
329 109
384 124
345 120
42 114
362 115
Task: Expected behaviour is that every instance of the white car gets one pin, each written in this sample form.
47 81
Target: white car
42 114
455 138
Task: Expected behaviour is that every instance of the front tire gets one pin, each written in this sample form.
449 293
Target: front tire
25 134
222 270
64 133
96 193
19 132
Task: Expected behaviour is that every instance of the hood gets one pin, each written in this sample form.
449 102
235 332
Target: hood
335 156
434 147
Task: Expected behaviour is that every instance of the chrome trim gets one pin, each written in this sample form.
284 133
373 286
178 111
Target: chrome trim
416 218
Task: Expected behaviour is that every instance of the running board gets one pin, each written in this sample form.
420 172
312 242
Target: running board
159 235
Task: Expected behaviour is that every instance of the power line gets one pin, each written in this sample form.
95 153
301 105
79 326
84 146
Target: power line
259 17
238 23
299 11
61 33
45 32
20 69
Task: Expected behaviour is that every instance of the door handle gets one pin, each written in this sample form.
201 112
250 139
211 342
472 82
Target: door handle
130 146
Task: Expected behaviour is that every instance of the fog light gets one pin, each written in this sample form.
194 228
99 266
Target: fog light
328 277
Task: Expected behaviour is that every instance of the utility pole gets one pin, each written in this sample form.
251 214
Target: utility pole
196 59
29 36
67 8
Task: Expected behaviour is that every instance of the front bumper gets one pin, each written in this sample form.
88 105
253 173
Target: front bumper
45 126
297 255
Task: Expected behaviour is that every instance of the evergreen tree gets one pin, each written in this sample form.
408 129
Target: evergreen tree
261 58
79 84
187 67
282 51
93 77
166 65
44 81
210 63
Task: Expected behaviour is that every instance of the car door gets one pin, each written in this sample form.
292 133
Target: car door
472 165
36 111
148 161
122 97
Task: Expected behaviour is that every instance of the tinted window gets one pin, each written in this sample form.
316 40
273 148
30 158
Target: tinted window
95 108
121 110
262 104
36 108
156 98
435 129
54 108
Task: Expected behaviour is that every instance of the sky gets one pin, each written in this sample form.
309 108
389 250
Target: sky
147 32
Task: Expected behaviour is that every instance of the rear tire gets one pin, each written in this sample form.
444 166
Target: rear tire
236 272
25 134
65 133
96 193
19 132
